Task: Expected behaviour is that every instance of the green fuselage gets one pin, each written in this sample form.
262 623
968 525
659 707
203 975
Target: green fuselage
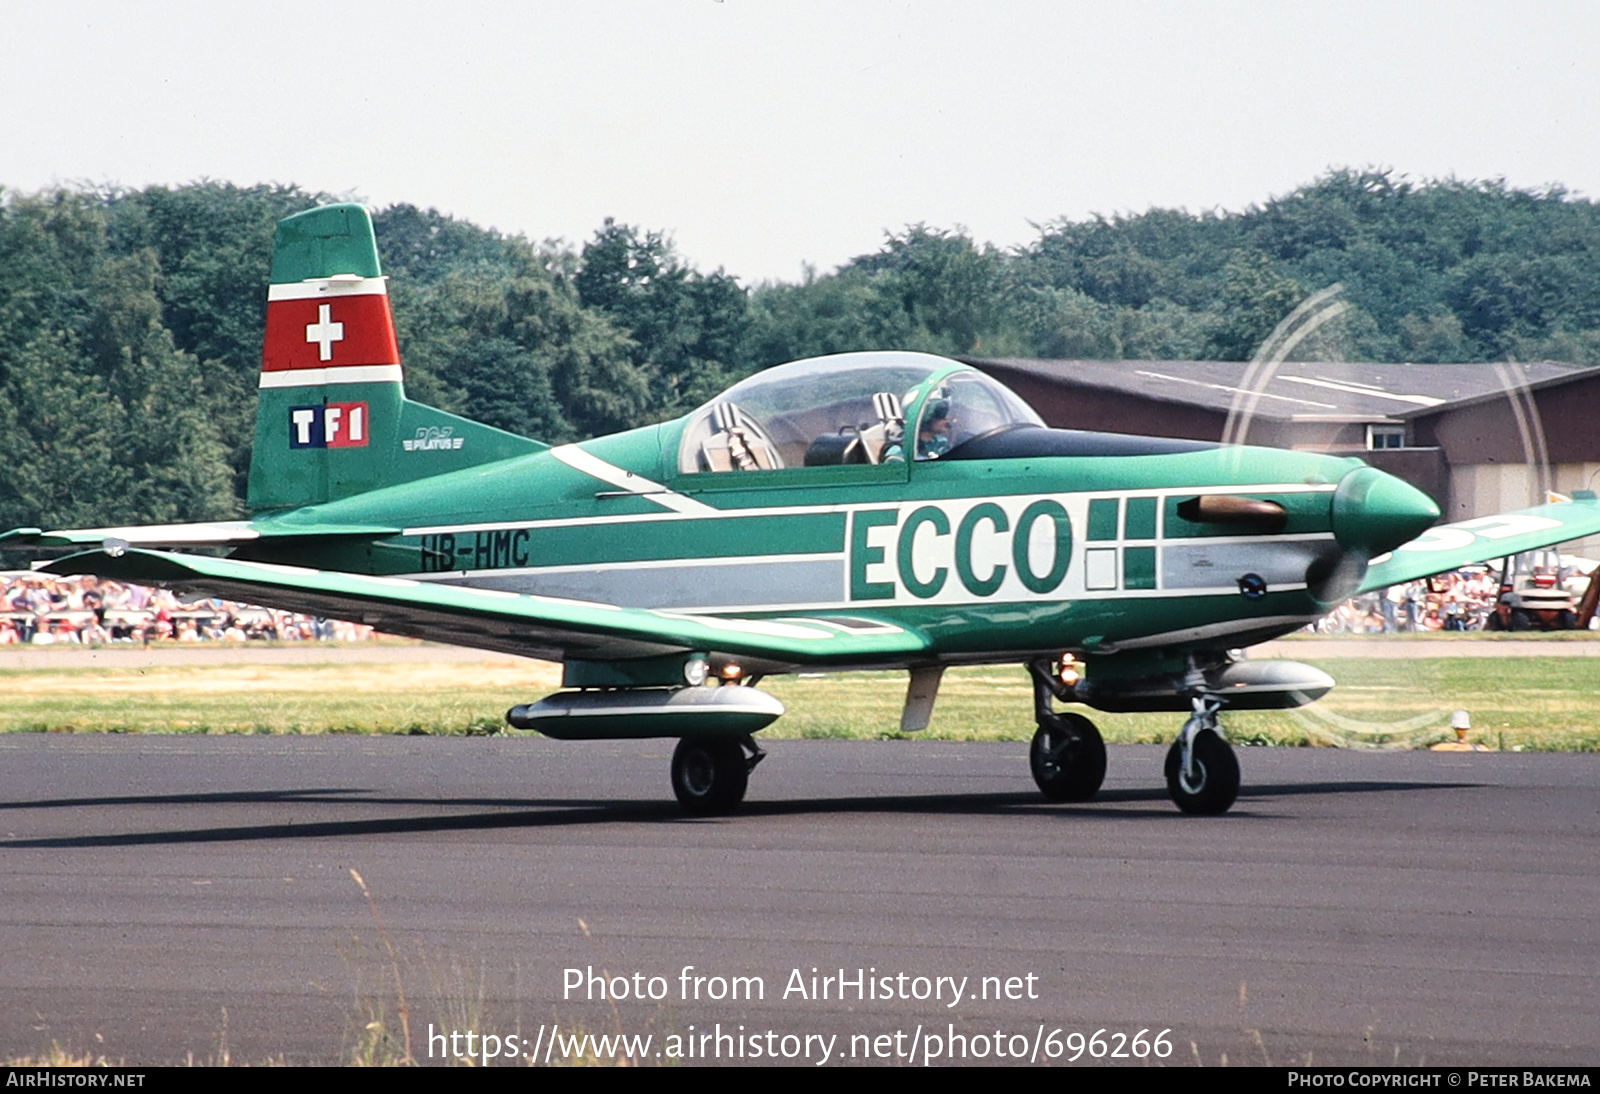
993 559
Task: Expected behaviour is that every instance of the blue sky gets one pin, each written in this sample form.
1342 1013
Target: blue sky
767 135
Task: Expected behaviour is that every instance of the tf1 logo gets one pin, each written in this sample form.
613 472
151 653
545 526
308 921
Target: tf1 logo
331 425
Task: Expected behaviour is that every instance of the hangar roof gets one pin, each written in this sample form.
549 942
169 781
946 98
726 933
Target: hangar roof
1296 390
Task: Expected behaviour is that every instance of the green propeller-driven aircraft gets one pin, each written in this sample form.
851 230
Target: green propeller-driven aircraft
865 511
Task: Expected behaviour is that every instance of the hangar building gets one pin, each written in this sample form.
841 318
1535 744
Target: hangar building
1478 438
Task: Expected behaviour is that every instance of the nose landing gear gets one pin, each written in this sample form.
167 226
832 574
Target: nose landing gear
1202 772
1068 756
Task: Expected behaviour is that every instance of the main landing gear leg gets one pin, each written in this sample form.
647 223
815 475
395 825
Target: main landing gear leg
710 774
1068 757
1202 772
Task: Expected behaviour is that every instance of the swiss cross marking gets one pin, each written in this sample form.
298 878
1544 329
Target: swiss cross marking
325 332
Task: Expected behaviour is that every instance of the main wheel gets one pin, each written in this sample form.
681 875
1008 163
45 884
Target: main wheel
709 775
1216 776
1068 758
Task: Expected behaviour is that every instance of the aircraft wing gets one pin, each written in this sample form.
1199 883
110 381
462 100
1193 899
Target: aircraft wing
530 626
209 534
1482 539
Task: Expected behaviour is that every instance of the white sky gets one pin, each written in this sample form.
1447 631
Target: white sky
764 135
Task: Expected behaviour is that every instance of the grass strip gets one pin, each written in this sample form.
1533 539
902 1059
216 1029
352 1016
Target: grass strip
1537 703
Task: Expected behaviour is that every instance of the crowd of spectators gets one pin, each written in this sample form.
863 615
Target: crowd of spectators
1462 600
1458 601
43 609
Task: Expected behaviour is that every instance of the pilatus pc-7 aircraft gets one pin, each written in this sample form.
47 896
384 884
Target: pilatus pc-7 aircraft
866 511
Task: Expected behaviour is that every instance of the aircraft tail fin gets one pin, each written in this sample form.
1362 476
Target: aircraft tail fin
333 419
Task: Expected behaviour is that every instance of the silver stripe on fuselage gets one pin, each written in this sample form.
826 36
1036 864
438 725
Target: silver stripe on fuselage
740 585
1197 564
731 584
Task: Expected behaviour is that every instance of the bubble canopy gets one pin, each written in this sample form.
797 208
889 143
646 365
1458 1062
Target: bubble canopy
849 408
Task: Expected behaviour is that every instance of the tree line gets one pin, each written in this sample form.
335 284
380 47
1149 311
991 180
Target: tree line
130 320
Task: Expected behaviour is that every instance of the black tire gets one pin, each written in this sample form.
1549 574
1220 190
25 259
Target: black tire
1567 620
1068 758
1217 774
1521 620
709 775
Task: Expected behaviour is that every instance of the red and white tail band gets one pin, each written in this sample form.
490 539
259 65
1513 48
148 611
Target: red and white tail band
335 330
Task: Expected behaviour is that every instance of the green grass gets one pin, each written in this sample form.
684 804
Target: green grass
291 699
1546 703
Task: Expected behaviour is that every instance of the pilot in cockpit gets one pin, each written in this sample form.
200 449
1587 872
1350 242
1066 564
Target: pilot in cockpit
933 435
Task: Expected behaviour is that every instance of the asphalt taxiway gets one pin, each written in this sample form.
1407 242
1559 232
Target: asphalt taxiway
169 897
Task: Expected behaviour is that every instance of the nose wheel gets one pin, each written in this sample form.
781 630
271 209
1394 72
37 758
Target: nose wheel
1202 771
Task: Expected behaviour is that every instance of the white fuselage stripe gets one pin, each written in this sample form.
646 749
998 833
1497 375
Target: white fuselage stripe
593 466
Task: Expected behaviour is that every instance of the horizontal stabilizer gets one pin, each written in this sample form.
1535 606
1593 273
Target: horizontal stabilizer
530 626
